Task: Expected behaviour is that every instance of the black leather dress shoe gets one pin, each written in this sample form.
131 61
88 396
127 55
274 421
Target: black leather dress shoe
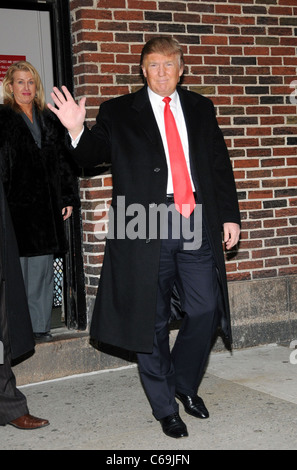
173 426
40 337
193 405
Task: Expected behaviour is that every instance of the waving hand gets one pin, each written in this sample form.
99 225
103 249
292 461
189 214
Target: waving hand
71 115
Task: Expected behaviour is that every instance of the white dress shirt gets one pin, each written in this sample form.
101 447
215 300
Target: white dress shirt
74 142
158 106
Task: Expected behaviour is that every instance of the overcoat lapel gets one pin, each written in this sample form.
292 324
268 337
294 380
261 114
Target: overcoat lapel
146 120
193 129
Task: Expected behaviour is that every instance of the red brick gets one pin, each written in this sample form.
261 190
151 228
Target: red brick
230 51
284 110
290 250
283 51
141 5
260 194
249 244
265 152
229 9
244 40
128 15
254 110
257 51
222 40
84 24
230 90
287 271
284 172
259 131
286 231
276 262
106 4
274 223
247 184
115 68
251 224
259 174
114 90
94 13
225 51
264 253
265 120
247 163
250 205
286 212
280 11
250 265
270 61
246 142
214 19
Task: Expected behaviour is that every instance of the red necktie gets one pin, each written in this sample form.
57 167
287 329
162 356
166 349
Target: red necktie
182 188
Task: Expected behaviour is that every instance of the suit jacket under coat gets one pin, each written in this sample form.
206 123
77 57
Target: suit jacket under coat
38 182
126 134
13 300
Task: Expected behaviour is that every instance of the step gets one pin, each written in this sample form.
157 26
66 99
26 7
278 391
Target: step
69 353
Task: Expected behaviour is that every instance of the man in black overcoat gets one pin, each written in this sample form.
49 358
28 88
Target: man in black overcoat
16 333
142 267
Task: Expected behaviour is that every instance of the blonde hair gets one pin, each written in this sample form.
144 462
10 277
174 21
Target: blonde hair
163 45
8 98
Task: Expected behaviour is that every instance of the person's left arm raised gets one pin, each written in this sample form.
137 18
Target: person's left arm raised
71 115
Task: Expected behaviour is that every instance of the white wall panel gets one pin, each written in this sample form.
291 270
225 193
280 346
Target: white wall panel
27 33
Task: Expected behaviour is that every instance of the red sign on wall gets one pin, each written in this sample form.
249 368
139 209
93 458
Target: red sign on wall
6 61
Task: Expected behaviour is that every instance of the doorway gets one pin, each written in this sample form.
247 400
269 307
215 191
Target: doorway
39 32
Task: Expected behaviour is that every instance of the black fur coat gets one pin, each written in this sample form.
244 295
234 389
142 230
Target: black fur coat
38 183
13 300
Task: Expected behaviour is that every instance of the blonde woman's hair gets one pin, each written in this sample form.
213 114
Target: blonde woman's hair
8 98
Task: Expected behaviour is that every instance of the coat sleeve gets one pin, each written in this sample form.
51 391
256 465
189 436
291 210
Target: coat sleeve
69 180
224 182
94 147
68 172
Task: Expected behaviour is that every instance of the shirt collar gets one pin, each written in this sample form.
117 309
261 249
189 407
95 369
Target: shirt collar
157 99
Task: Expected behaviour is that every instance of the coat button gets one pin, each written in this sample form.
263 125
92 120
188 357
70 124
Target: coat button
148 240
156 170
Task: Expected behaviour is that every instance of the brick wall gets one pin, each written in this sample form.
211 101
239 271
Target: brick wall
242 55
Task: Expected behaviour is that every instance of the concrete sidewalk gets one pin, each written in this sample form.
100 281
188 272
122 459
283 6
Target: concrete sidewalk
251 396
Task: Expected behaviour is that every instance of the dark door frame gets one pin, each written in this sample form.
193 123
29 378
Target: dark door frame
74 283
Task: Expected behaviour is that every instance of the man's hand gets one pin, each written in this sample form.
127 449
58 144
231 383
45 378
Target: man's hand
66 212
71 115
231 234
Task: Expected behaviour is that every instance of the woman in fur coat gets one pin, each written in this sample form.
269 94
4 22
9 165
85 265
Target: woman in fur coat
39 184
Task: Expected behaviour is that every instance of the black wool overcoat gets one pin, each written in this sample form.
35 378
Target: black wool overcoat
126 134
13 299
38 183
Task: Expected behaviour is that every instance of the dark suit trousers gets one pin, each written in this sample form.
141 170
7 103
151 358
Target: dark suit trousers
163 371
13 403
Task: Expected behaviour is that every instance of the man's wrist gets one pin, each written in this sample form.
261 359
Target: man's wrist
75 137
